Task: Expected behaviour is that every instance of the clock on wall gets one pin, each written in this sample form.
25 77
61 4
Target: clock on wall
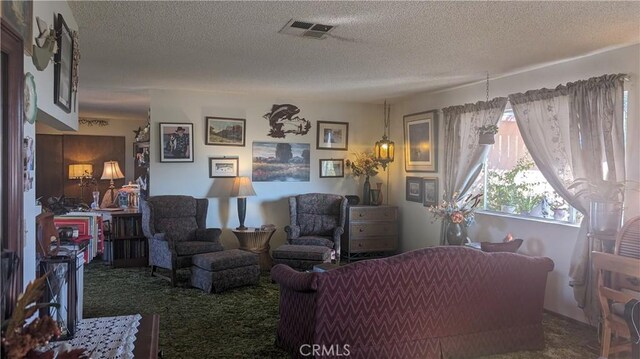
30 98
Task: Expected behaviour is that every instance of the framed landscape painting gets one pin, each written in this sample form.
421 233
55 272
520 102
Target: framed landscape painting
421 142
331 168
176 142
222 167
414 189
332 136
430 186
222 131
280 162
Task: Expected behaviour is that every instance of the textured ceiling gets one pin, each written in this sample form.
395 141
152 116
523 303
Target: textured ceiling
378 50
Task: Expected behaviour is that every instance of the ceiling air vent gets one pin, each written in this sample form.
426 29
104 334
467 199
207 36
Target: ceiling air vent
306 29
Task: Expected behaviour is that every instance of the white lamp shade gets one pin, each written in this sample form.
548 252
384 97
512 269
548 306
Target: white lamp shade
80 170
242 187
111 171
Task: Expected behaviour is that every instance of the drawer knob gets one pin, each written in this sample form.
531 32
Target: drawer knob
361 230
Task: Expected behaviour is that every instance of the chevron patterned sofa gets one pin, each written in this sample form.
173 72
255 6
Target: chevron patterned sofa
439 302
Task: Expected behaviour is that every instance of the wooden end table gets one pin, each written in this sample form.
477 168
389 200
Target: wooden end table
256 240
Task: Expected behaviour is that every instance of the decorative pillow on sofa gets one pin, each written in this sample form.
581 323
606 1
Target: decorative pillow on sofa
511 246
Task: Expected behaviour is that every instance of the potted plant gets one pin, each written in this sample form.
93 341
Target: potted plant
365 164
606 198
486 134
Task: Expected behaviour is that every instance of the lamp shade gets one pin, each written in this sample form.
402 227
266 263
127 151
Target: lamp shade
80 170
384 151
242 187
111 171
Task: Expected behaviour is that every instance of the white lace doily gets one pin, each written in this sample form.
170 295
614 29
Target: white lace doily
107 337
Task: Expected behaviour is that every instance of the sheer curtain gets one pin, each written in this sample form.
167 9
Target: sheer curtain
576 131
462 153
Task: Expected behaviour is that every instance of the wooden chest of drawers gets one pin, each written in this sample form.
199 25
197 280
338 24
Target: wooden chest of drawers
370 231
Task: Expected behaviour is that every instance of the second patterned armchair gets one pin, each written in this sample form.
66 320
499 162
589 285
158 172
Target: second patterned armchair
175 227
317 219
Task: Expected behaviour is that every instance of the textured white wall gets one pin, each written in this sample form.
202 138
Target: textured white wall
47 112
551 240
270 205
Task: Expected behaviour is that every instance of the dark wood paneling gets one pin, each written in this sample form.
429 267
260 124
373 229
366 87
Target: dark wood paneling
49 166
53 174
95 150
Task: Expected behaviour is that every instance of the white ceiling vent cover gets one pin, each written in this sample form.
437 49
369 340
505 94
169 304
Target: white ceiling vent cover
306 29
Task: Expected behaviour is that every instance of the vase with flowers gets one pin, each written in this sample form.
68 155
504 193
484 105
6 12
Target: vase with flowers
365 164
457 214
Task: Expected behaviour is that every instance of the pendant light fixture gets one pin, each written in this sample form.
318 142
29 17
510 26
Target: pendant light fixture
384 149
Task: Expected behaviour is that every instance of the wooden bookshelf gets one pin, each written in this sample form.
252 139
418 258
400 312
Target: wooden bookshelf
129 246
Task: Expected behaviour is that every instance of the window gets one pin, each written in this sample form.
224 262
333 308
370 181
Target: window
513 184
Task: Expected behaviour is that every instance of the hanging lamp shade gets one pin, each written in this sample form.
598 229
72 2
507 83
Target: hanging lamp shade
384 150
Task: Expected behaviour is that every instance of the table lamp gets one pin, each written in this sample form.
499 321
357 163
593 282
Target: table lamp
242 188
81 171
111 171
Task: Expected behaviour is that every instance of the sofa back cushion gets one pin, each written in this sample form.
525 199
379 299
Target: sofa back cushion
175 216
431 292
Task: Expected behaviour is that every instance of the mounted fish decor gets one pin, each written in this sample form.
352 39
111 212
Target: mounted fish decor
45 47
284 119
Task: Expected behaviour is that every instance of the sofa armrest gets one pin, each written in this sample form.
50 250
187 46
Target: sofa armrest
292 279
160 236
208 234
292 231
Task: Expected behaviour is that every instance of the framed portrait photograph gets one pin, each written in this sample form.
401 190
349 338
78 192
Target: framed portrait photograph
332 136
421 142
63 65
176 142
331 168
222 131
430 186
414 189
222 167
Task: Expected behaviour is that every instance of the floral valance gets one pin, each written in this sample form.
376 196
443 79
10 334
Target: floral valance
604 81
498 102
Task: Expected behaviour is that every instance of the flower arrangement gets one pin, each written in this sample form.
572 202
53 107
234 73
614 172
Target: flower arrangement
21 340
456 211
365 164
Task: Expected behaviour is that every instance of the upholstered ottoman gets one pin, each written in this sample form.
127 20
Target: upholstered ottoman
301 257
218 271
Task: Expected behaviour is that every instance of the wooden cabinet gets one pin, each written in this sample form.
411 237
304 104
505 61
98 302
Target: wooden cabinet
370 231
128 245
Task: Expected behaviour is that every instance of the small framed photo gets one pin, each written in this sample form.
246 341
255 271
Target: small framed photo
414 189
430 186
222 131
333 135
176 142
421 142
63 61
221 167
331 168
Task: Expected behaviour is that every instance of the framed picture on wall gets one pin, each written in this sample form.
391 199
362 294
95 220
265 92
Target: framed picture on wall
176 142
331 168
332 136
63 65
421 142
222 131
414 189
223 167
19 14
280 162
430 189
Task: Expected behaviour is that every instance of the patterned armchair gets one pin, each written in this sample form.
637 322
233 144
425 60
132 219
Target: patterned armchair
175 227
317 219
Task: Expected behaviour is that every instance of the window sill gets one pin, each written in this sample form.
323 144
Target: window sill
527 218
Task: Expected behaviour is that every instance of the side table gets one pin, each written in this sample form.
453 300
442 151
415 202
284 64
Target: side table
256 240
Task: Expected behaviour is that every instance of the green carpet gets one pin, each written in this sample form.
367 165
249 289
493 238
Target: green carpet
241 323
